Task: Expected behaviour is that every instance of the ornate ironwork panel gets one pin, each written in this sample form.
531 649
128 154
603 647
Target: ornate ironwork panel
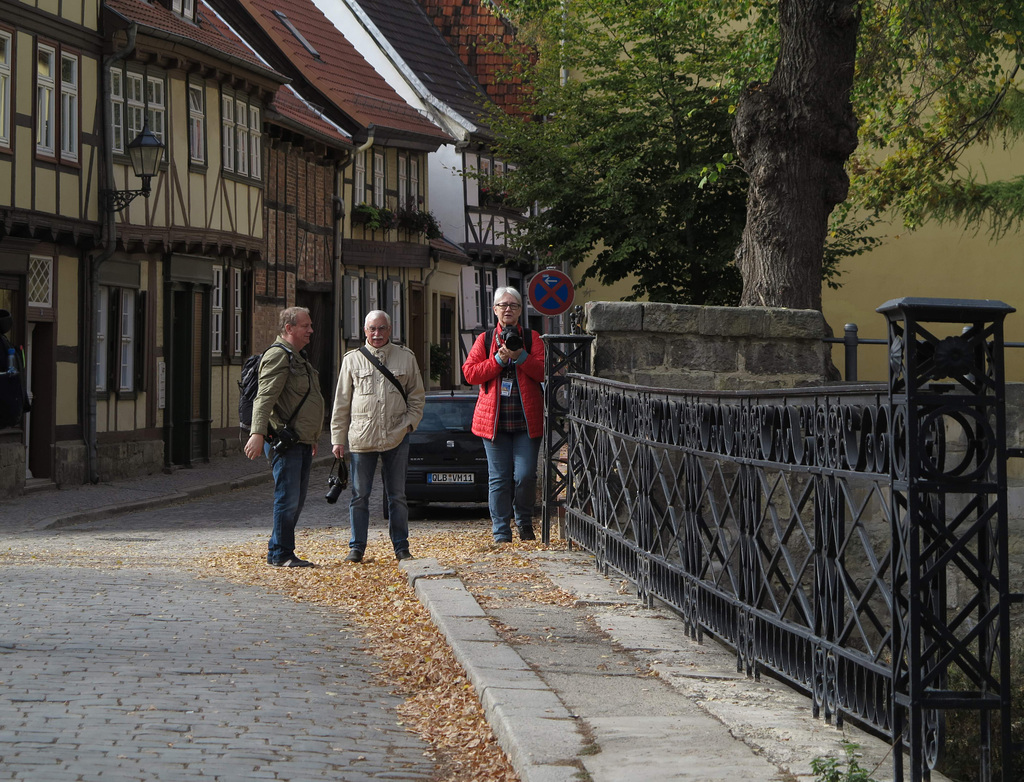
563 354
818 530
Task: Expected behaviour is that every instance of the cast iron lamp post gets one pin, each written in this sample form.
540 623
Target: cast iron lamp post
146 151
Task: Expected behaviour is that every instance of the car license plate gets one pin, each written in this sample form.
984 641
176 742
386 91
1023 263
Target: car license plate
450 477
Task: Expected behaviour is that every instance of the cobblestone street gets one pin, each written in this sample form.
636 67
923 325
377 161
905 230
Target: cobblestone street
118 661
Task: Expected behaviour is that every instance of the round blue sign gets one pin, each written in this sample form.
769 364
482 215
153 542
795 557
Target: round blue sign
550 292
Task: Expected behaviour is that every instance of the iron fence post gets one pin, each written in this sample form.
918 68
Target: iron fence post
941 385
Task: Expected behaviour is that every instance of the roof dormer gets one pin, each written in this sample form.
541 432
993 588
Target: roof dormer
186 9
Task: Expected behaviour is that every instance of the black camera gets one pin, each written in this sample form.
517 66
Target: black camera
336 484
510 339
284 439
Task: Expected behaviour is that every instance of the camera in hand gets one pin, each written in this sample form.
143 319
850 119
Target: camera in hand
336 484
510 339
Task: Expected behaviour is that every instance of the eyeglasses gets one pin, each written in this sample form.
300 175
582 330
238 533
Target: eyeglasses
507 306
378 328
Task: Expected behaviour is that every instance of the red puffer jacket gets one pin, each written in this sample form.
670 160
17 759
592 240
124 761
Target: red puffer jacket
481 369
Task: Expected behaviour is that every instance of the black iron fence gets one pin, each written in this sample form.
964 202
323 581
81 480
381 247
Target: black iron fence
851 540
851 342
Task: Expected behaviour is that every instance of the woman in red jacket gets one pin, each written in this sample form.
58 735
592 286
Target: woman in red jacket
509 414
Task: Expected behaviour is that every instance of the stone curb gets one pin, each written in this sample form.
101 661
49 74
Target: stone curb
533 727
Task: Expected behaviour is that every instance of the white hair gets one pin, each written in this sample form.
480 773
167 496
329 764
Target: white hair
373 315
509 290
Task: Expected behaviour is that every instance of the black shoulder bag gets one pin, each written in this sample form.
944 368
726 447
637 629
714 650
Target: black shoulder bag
287 437
385 371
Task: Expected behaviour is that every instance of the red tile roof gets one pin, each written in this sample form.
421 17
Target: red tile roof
339 72
291 107
470 26
208 32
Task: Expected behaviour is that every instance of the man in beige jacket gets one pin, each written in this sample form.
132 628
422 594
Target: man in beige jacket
373 416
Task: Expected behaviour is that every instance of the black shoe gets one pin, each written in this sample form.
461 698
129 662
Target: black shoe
292 562
402 553
526 533
354 555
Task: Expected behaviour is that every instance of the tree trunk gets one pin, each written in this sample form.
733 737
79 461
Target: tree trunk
793 136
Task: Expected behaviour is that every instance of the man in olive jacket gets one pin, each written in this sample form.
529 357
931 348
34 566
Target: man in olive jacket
289 386
374 418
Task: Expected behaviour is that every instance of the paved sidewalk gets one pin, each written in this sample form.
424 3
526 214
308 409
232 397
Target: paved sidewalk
605 690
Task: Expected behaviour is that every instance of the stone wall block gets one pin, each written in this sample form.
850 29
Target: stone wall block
733 321
701 354
795 324
779 357
614 316
671 318
12 469
70 463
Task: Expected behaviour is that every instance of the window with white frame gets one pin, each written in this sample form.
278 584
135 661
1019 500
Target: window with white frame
255 143
371 297
187 8
102 315
403 183
217 312
359 180
353 325
241 138
394 305
156 107
196 123
414 182
40 281
46 64
237 309
117 111
135 105
69 107
227 124
378 179
126 381
5 88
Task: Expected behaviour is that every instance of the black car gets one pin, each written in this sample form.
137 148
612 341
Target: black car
447 462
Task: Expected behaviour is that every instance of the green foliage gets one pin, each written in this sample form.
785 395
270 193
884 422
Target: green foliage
418 221
935 80
617 154
630 158
848 770
440 362
373 217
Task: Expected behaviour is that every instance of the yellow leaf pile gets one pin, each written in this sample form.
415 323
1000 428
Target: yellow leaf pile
414 657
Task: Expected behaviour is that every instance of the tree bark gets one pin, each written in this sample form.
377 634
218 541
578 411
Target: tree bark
793 136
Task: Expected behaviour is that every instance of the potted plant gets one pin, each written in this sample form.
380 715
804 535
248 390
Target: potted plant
363 213
418 221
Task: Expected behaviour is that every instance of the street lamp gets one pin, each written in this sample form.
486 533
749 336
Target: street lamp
146 152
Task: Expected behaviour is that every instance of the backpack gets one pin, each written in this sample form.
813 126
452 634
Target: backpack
12 390
249 386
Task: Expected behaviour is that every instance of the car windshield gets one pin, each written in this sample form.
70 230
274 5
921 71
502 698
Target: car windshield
447 415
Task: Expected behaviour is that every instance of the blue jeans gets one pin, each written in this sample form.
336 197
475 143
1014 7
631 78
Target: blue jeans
394 464
511 480
291 479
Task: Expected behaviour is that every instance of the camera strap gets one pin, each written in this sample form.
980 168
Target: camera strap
342 470
385 371
295 412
